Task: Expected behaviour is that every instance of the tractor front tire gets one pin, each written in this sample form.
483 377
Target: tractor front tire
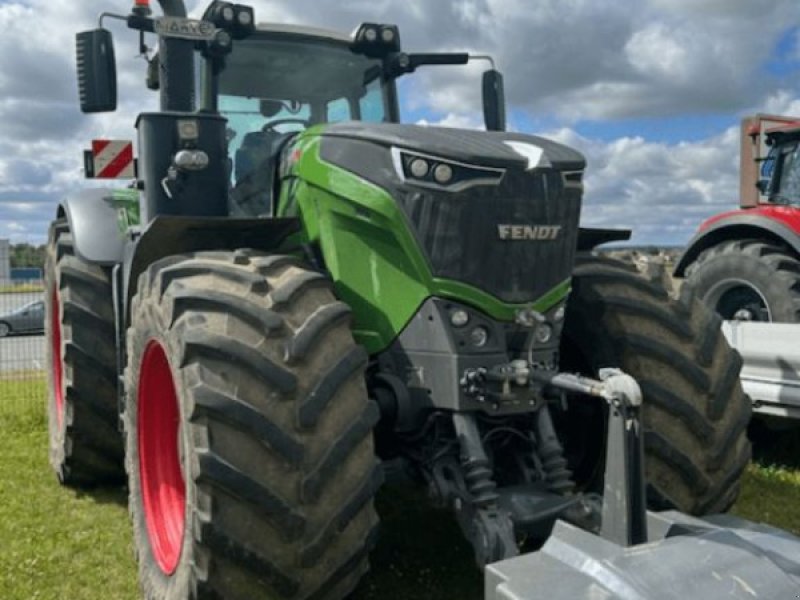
86 444
249 432
749 280
695 414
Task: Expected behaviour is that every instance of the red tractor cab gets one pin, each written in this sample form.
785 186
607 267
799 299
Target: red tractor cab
745 263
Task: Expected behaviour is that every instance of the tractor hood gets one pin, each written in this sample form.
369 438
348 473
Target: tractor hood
485 148
494 210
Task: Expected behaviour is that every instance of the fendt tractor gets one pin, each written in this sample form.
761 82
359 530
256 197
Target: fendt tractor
746 263
297 290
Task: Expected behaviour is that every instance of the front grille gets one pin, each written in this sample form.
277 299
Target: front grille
460 233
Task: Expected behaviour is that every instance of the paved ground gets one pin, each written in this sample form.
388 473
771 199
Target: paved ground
24 352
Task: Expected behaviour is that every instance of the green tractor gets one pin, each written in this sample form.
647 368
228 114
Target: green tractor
297 290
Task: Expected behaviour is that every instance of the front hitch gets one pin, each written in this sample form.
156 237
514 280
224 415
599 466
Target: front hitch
624 512
493 518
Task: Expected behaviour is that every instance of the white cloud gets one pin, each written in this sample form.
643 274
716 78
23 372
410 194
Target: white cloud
783 102
661 191
565 61
457 120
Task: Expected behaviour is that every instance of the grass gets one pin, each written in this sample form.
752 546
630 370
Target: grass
54 542
59 543
772 485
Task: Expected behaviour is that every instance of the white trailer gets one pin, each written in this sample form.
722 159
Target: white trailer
771 371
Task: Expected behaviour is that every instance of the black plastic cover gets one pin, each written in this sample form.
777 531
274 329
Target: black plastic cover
201 193
461 233
97 71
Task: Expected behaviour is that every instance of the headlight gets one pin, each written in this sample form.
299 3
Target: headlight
443 174
479 336
387 35
544 333
419 167
245 18
459 318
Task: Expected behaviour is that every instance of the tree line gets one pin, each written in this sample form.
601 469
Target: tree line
27 255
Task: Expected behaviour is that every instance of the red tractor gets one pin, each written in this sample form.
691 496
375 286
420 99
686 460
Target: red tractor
746 263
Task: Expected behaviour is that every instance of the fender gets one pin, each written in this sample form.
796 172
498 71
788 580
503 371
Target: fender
589 238
171 235
741 224
92 220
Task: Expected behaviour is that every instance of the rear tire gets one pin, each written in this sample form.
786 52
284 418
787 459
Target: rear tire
695 414
85 442
758 280
273 426
5 330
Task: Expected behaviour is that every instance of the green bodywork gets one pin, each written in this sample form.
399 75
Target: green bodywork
370 250
126 201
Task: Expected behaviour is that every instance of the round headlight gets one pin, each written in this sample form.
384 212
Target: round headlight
443 173
245 18
419 167
459 318
559 314
228 14
479 336
387 35
370 35
544 333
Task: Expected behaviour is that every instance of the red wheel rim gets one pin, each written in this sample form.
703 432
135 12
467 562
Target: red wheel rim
58 369
163 488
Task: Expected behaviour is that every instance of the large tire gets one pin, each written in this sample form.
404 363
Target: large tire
251 360
695 414
85 441
758 278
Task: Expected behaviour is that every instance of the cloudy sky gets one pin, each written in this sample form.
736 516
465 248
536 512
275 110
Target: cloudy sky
651 91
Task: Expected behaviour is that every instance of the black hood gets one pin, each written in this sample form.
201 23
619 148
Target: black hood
511 231
487 148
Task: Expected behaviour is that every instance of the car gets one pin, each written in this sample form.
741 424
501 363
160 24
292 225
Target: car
28 318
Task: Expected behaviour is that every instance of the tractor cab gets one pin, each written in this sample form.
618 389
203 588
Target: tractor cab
285 79
780 170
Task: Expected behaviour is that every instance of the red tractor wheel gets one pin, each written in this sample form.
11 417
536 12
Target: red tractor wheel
163 487
250 458
85 441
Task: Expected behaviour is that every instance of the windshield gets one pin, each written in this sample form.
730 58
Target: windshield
288 83
787 189
274 85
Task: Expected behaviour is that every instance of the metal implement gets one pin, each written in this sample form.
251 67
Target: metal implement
684 558
771 370
642 555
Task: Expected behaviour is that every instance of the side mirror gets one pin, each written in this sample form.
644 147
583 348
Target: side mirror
494 101
97 71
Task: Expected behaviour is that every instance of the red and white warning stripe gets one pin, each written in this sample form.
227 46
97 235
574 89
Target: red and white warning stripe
113 159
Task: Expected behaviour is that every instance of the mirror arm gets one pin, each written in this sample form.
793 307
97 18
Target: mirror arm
108 15
485 57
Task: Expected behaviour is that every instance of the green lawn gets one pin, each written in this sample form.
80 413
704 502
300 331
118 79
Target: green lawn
54 542
57 543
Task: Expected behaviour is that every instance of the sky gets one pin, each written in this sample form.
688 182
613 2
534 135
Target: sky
651 91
